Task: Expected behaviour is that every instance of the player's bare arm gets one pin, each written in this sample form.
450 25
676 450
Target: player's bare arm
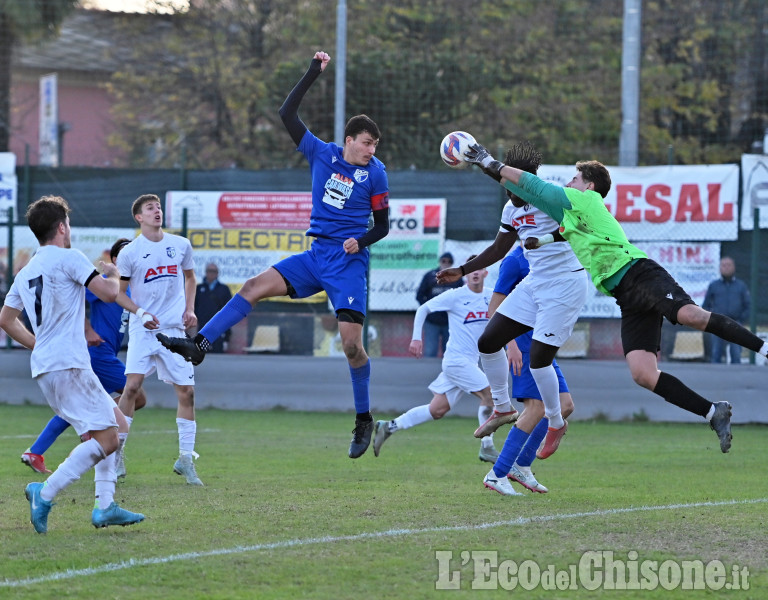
492 254
10 323
190 289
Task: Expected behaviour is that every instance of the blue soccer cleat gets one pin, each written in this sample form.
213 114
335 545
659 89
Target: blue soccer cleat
114 515
38 508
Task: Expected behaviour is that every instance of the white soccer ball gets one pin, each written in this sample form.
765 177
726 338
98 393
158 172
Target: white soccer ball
453 147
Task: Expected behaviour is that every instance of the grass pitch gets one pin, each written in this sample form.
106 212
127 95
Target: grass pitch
285 514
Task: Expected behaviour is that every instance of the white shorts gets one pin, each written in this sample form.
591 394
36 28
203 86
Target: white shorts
77 397
464 375
550 306
145 354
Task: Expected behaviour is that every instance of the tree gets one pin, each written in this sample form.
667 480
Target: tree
26 20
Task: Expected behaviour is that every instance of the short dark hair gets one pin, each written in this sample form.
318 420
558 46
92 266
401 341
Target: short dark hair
44 216
117 246
141 201
359 124
595 172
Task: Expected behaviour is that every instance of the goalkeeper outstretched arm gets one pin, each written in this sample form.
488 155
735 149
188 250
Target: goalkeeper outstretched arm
545 196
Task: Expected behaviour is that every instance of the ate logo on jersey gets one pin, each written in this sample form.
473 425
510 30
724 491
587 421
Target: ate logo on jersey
476 316
155 273
525 220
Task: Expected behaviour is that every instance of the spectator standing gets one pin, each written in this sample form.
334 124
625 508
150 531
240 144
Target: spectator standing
210 298
729 296
436 326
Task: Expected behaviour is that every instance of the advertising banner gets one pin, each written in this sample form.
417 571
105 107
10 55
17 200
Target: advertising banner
8 186
754 183
684 203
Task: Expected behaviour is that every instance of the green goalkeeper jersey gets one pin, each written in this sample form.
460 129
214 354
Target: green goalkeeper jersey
595 236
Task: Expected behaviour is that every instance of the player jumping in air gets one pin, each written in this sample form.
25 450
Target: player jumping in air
348 183
643 289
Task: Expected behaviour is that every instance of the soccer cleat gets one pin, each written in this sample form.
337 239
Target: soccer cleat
721 424
551 441
382 432
499 484
120 463
361 438
36 462
488 454
524 477
184 346
496 420
114 515
38 508
186 466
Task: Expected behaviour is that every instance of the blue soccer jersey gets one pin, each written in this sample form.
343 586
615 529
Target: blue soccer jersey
107 320
343 195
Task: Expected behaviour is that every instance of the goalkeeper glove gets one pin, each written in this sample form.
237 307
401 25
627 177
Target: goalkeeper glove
478 155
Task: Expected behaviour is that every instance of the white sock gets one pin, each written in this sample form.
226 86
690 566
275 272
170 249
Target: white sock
416 416
487 441
764 349
711 413
496 370
549 388
105 479
187 431
129 420
122 438
82 458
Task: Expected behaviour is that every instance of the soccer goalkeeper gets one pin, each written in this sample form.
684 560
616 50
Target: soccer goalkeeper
643 289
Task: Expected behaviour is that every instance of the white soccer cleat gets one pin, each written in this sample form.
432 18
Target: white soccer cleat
499 484
186 467
524 477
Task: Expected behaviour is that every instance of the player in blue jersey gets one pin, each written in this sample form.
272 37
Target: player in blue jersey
529 431
348 184
104 334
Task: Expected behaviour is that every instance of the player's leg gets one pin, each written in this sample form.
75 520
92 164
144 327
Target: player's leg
417 415
721 326
488 452
187 428
267 284
106 511
77 397
351 333
499 331
640 336
33 456
111 373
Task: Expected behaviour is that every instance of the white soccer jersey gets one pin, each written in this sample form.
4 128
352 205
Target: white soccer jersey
156 274
467 318
529 221
51 288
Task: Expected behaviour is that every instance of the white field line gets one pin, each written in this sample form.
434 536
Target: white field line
148 432
159 560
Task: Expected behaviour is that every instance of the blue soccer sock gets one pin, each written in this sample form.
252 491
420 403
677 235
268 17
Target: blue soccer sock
48 435
361 381
528 453
231 314
515 441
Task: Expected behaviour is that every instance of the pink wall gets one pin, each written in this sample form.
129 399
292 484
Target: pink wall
86 108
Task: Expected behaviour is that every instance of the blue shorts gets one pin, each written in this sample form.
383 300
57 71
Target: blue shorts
326 267
523 385
109 369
